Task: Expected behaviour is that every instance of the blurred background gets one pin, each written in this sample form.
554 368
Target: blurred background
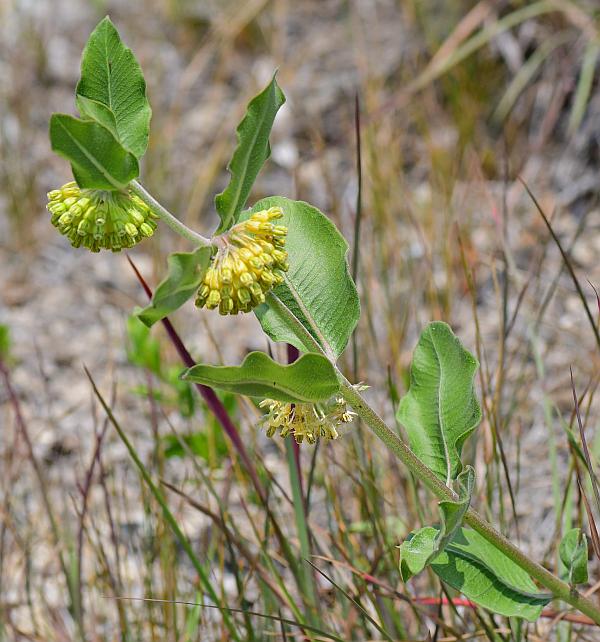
457 101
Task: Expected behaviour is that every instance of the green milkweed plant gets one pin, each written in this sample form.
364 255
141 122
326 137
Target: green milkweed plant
285 261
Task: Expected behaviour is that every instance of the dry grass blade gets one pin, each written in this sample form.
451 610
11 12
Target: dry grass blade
567 263
592 475
274 618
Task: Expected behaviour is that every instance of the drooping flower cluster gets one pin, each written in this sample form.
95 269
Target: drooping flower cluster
250 260
99 219
306 421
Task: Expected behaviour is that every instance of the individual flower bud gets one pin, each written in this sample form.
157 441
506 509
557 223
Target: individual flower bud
248 263
99 219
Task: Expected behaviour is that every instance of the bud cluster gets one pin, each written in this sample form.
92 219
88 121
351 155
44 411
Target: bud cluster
306 421
99 219
250 261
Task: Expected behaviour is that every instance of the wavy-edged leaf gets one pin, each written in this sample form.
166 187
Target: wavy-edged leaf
318 290
310 378
440 409
250 154
573 551
97 158
112 89
477 569
185 273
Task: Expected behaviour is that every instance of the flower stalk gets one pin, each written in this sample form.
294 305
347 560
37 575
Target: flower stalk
173 222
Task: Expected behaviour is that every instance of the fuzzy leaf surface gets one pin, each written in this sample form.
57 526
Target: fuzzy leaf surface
250 154
440 409
97 158
310 378
112 89
318 290
477 569
184 275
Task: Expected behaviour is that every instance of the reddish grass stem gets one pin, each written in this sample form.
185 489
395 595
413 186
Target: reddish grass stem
208 394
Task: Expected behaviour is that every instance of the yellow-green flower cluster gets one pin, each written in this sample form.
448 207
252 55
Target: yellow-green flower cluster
250 260
99 219
306 421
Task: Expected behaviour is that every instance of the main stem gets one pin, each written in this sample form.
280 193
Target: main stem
174 223
556 586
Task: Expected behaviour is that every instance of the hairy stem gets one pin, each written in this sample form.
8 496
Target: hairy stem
174 223
557 587
394 443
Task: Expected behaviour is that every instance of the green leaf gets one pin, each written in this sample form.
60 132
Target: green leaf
311 378
185 273
250 154
477 569
422 549
97 159
440 409
4 341
112 89
453 512
573 551
319 290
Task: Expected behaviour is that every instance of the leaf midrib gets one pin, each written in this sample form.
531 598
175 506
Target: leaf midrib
91 158
439 411
234 207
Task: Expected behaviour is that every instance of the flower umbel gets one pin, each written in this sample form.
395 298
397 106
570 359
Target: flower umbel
306 421
99 219
250 260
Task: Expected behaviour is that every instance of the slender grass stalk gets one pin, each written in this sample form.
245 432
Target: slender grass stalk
69 570
217 408
168 516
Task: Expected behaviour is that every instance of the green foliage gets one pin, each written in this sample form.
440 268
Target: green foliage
4 341
97 159
184 275
310 378
453 512
199 443
250 154
440 409
476 568
573 551
112 89
143 350
319 290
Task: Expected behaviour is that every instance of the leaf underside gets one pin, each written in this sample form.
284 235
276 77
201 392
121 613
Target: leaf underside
477 569
440 409
309 379
185 273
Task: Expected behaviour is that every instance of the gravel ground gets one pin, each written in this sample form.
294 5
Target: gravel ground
66 308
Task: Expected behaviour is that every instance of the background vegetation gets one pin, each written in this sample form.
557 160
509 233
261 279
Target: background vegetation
457 100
